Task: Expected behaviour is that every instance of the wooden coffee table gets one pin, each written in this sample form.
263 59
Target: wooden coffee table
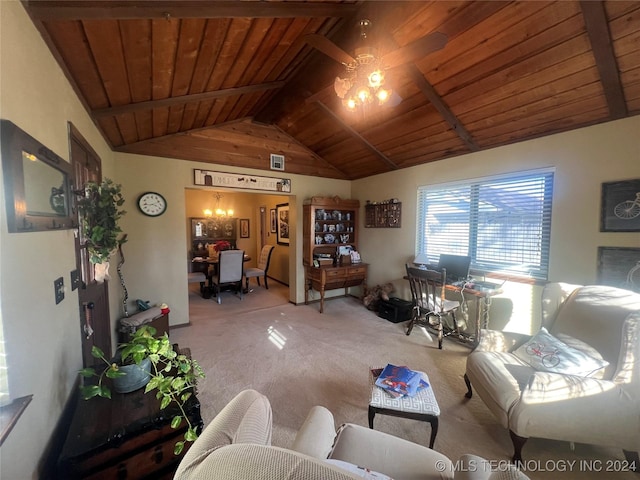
422 406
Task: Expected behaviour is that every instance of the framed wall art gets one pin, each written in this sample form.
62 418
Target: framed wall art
273 220
244 228
619 267
210 178
282 223
620 208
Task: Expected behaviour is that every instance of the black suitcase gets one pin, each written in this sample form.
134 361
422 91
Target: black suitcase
395 309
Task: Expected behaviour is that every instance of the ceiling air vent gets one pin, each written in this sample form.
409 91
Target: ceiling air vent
277 162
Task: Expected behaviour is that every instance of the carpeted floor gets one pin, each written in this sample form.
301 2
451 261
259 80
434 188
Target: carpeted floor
298 358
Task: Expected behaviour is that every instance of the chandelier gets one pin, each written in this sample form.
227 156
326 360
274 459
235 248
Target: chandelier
364 80
219 213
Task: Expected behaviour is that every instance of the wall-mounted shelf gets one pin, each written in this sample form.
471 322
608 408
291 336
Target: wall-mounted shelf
383 215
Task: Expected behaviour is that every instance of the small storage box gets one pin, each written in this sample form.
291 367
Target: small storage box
395 309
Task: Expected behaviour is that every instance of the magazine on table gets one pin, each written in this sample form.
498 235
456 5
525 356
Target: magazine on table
399 380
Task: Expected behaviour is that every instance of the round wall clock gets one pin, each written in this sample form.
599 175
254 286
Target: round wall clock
152 204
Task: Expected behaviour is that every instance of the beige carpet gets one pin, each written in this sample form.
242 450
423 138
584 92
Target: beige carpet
298 358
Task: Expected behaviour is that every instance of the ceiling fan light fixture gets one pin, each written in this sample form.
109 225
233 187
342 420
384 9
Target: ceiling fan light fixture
383 95
364 77
376 78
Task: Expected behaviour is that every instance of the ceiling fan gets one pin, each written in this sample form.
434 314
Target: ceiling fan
365 70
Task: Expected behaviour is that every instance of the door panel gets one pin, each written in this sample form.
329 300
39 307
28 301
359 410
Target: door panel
93 297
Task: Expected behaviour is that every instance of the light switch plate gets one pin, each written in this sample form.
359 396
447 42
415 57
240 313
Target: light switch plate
58 287
75 280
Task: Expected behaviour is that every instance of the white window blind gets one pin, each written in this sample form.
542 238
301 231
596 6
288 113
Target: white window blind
503 223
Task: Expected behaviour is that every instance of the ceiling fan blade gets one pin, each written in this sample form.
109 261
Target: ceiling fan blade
394 100
329 48
415 50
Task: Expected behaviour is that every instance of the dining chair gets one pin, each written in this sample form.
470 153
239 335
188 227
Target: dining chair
230 272
196 275
262 269
429 303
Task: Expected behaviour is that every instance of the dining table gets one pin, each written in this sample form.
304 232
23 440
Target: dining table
209 266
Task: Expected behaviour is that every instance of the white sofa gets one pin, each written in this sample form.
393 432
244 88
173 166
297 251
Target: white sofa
601 407
236 445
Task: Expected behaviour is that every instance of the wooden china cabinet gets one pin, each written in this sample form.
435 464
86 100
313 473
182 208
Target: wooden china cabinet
330 223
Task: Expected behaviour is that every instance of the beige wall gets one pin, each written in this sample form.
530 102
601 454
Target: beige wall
157 271
582 160
43 338
244 205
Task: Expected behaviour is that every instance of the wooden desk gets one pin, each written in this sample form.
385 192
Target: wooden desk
482 298
331 278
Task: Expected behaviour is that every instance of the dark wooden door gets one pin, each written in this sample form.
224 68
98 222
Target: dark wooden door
93 297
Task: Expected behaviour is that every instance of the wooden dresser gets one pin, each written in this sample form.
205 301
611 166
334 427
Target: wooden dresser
127 437
329 224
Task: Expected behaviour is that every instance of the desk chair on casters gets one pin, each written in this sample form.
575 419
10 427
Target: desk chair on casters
429 303
263 267
230 272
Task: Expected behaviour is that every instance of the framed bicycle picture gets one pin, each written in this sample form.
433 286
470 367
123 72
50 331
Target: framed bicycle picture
620 207
619 267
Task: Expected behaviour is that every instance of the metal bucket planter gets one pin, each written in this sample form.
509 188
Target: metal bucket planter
137 376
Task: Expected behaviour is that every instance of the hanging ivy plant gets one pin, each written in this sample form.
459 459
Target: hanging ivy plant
100 212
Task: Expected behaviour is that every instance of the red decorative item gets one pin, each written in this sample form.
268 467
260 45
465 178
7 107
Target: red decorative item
222 245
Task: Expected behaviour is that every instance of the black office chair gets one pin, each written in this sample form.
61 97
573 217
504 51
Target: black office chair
429 302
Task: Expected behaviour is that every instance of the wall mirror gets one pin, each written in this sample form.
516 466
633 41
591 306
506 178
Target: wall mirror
37 183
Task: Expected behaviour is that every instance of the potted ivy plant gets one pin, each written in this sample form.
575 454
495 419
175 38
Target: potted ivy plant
172 374
100 212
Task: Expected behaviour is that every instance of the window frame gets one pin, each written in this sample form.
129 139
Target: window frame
538 272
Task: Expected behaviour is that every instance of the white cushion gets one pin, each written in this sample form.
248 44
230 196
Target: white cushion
547 353
359 471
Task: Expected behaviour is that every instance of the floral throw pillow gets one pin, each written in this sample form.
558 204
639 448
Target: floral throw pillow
546 352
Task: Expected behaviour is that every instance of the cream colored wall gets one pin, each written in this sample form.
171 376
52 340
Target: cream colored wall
42 338
157 271
244 205
582 159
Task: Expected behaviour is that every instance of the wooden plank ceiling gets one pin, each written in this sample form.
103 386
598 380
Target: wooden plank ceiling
230 82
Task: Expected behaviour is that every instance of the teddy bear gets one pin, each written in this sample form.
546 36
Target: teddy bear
373 295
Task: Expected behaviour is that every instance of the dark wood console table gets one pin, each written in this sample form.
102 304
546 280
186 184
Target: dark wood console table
331 278
127 437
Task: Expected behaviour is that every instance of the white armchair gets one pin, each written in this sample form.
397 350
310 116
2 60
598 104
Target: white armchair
601 408
236 445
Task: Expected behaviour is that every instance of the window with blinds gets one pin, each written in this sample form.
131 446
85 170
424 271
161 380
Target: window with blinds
503 223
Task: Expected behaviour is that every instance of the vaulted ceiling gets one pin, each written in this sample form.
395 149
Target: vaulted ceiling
229 82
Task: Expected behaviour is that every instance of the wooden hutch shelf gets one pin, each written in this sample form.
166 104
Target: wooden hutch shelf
329 223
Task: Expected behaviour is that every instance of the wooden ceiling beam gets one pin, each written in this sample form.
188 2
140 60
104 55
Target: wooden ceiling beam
148 9
298 82
436 100
357 136
184 99
595 19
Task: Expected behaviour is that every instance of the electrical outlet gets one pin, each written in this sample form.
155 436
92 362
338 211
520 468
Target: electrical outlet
75 280
58 287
